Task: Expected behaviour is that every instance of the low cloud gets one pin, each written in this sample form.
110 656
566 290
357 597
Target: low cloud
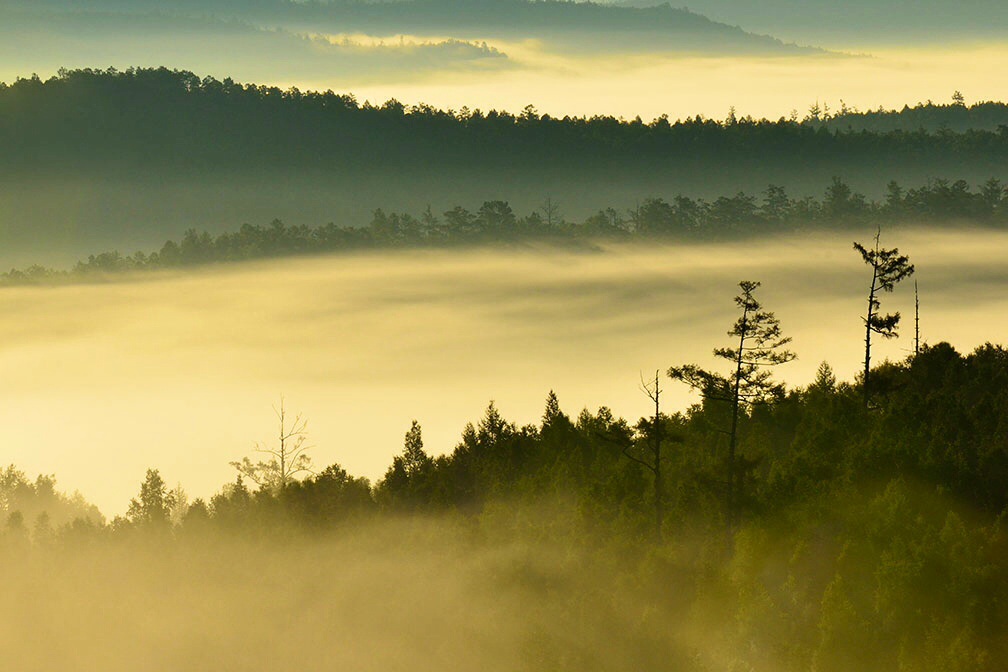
179 371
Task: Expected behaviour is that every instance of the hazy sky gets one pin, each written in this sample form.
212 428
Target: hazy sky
865 71
180 372
683 86
563 84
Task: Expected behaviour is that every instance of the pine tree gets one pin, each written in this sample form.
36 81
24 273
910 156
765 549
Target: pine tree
552 412
760 346
888 268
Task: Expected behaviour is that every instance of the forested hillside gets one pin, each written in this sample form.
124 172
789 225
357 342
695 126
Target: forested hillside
163 119
858 536
105 159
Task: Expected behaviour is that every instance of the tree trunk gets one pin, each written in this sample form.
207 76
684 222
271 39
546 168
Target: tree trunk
733 436
868 329
658 485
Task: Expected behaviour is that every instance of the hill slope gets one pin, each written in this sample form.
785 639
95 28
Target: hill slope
126 159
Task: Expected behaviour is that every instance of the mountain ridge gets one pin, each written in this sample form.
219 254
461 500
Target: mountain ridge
571 25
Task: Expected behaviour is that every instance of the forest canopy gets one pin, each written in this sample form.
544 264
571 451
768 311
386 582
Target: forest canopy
881 526
99 159
141 117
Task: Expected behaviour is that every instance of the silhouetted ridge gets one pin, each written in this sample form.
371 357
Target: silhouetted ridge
150 119
571 24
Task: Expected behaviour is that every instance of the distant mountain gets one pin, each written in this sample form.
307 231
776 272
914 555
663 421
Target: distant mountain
860 21
567 25
33 40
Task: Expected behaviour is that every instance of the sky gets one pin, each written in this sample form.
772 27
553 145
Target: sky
687 85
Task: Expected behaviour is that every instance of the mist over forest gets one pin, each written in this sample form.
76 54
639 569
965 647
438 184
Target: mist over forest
862 519
503 335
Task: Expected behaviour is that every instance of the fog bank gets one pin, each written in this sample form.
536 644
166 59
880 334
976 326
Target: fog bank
179 371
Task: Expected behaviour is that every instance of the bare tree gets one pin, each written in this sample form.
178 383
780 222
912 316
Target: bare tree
653 461
286 460
551 212
888 268
760 347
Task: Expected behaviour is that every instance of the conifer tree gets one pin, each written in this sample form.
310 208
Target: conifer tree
888 268
414 459
552 412
760 346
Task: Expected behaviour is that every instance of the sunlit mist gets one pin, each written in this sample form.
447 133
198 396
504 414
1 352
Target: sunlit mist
683 86
181 371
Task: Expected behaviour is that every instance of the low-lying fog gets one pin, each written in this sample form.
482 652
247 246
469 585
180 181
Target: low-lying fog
421 597
180 371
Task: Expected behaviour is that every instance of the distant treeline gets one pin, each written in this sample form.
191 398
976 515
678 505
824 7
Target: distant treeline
743 214
930 116
144 119
867 537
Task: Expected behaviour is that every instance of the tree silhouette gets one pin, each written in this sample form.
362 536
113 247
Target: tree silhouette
153 506
760 347
916 320
286 460
550 213
414 458
404 480
888 268
653 462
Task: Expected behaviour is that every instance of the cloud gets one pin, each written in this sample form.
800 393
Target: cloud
43 42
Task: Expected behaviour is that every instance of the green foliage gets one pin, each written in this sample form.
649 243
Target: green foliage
869 538
760 346
406 484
